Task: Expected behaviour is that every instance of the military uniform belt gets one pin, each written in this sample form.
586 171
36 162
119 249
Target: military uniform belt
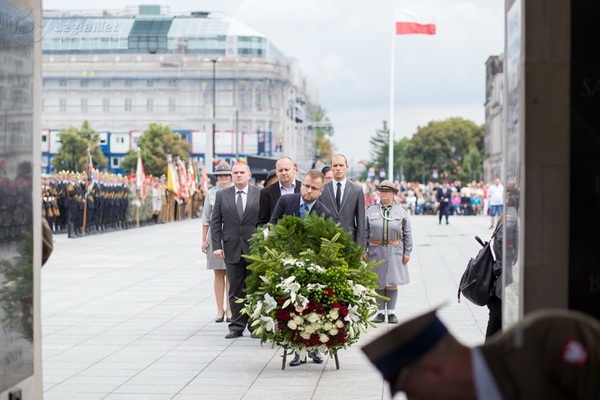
380 242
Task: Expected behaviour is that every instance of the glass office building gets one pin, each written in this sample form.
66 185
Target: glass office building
122 70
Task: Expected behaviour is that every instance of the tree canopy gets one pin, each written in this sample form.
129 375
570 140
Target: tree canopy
449 146
74 145
154 145
453 147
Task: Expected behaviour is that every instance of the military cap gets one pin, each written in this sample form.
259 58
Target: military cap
387 185
223 168
396 350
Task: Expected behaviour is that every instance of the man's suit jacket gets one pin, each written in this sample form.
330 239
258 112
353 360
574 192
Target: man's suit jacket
551 355
228 232
268 199
351 214
290 205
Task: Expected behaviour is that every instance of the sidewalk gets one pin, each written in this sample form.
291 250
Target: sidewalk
130 315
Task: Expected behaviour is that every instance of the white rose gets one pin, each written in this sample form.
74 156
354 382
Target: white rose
299 309
298 320
323 338
339 323
305 335
334 313
333 331
313 317
309 329
292 325
327 326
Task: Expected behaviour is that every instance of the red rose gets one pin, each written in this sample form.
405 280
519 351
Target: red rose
343 311
329 292
335 304
312 306
282 315
330 342
320 310
281 326
282 300
341 339
314 340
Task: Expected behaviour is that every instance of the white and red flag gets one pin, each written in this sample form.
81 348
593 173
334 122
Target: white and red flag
140 177
410 23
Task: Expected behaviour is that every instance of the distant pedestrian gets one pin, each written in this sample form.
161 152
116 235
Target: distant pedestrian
444 197
496 195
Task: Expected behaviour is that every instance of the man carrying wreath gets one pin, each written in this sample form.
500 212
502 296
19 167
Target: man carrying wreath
300 205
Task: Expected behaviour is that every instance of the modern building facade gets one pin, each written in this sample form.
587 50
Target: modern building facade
122 70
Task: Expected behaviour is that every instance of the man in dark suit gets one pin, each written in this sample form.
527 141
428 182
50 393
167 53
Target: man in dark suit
286 172
550 354
232 223
444 195
345 200
300 205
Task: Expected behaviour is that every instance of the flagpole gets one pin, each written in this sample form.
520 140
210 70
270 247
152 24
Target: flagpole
391 127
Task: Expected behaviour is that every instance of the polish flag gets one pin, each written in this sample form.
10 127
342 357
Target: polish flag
407 23
140 176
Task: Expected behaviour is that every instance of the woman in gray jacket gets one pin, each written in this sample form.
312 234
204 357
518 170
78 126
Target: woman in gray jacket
388 239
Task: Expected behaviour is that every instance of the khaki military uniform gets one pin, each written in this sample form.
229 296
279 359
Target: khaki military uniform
551 355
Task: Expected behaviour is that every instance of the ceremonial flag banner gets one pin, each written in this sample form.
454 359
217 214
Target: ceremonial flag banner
140 177
90 168
408 22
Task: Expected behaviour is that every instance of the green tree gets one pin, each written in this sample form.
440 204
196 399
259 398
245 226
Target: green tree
379 151
472 166
155 143
443 146
74 145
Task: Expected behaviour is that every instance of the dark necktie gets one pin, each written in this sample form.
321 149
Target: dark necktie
303 210
239 204
338 195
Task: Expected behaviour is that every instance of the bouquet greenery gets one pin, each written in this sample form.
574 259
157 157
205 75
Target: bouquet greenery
310 288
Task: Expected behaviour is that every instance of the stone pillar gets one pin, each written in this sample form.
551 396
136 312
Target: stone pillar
537 151
20 199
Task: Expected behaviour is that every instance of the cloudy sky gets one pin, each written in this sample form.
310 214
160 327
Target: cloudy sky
344 48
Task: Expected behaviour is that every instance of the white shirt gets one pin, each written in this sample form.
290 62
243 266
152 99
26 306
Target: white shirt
244 195
334 182
485 384
285 191
496 194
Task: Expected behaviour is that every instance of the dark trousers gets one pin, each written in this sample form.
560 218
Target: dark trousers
495 317
236 275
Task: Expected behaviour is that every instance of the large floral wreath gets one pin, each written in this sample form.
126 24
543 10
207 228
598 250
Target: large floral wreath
310 288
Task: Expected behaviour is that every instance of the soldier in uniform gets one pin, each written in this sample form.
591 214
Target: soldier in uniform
73 203
550 354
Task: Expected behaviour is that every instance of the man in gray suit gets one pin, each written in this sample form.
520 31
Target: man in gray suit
232 223
345 200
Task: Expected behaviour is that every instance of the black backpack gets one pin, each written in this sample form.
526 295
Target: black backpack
478 281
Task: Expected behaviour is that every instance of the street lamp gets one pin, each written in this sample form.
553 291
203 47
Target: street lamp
214 106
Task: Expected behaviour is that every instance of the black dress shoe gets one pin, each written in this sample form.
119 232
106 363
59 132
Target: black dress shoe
228 319
221 319
379 318
296 361
234 335
392 319
316 356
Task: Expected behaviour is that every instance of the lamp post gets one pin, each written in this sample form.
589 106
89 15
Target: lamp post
212 146
214 105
